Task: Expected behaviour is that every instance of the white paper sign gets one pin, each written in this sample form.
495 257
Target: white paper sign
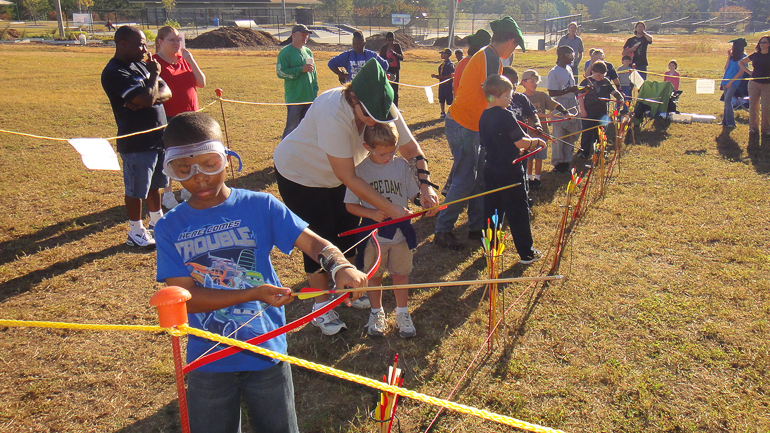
429 94
96 153
636 79
705 87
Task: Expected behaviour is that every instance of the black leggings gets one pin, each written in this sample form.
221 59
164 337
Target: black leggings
324 210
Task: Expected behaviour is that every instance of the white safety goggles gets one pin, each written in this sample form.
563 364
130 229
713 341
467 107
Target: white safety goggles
208 157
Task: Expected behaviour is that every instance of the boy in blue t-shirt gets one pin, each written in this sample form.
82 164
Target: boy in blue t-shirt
217 246
504 141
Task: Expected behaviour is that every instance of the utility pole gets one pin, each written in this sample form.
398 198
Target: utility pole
59 18
452 14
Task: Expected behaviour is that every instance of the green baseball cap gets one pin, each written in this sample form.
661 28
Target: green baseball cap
508 25
373 90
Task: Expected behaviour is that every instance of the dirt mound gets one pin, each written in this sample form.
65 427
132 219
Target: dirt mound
458 42
232 37
13 33
375 42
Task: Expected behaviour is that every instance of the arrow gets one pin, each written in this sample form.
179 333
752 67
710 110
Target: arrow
310 292
439 207
391 221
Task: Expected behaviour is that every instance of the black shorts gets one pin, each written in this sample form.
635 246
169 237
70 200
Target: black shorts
324 211
445 93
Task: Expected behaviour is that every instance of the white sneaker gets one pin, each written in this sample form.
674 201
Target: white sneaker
143 239
329 323
405 325
362 302
377 324
169 201
535 256
185 194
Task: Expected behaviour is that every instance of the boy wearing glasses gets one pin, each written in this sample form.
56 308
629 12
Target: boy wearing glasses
217 246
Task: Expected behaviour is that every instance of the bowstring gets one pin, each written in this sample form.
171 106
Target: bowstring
272 304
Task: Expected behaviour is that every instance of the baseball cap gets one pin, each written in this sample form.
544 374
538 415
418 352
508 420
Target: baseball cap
508 25
373 90
529 74
300 28
446 51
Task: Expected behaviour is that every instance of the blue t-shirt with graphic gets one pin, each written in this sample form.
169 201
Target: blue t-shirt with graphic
227 247
352 61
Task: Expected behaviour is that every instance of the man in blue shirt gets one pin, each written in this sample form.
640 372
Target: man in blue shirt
346 65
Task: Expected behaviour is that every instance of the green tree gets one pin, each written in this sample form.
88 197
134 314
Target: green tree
337 6
614 10
34 8
582 9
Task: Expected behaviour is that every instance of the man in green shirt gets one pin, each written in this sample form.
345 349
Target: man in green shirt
296 67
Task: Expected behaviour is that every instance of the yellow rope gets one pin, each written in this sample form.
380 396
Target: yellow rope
42 137
81 326
502 419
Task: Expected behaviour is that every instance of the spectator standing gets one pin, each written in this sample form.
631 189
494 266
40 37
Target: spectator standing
136 93
392 52
446 71
759 87
316 164
459 55
346 65
572 40
561 87
733 89
296 67
462 133
636 47
183 76
624 76
672 75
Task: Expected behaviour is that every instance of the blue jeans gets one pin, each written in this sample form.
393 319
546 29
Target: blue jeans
467 177
142 172
294 114
728 119
214 400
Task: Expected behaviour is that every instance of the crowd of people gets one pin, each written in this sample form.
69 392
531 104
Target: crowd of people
344 162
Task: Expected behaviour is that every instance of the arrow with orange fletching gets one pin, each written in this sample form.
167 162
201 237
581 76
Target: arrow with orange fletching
310 292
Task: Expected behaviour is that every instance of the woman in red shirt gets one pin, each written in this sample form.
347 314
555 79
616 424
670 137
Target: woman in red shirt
183 76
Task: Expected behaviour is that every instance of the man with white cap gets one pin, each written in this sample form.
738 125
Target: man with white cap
316 163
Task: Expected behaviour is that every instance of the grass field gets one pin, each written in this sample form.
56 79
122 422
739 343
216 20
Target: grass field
660 326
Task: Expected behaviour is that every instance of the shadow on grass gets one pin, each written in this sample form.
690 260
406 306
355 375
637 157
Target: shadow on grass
63 232
166 419
651 137
258 180
25 282
759 153
728 147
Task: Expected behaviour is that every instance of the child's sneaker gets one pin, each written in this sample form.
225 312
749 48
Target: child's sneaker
535 184
377 324
169 201
532 258
405 325
442 116
362 302
329 323
144 239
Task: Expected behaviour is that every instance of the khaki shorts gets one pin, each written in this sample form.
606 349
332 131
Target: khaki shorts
396 258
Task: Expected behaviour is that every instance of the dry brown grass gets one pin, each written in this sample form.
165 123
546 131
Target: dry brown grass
661 325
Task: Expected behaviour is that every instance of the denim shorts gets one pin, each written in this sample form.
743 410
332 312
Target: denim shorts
214 400
143 171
